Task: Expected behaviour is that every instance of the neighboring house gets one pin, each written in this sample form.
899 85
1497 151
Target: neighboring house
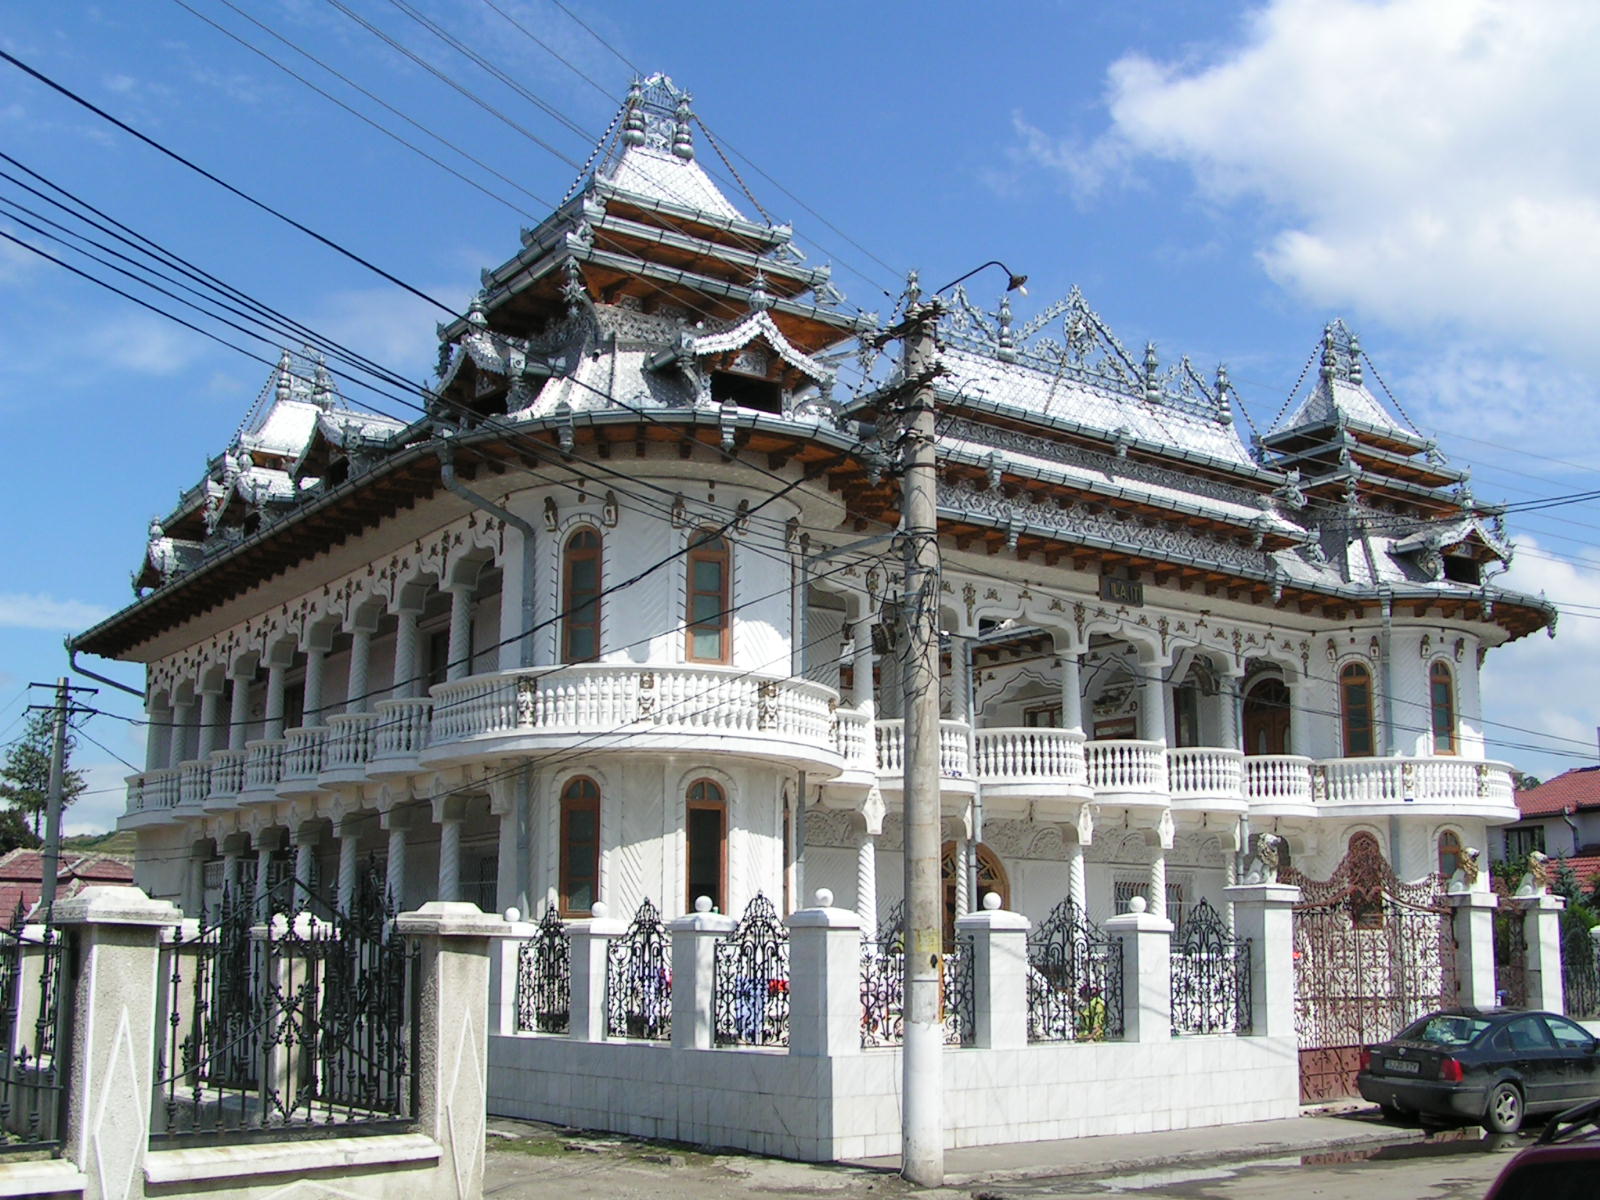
1560 817
617 621
22 876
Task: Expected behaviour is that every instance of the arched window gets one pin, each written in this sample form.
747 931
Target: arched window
1442 700
1355 708
580 846
1449 853
706 844
1266 717
707 619
991 878
580 602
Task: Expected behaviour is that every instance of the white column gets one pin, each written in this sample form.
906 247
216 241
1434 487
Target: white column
230 875
1541 923
273 729
396 875
591 940
460 665
182 718
1158 884
405 656
305 844
239 711
1474 936
867 880
1077 887
694 939
1153 699
158 742
1300 718
1072 691
449 857
262 899
360 661
863 664
349 847
1228 712
316 659
1264 913
963 878
210 722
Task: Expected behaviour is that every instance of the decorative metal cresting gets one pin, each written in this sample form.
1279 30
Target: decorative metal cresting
1371 955
290 1024
544 978
1580 970
1074 979
32 1026
751 987
1211 986
639 979
883 987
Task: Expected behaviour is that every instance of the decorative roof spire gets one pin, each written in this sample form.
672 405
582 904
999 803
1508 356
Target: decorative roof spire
1327 352
1152 384
1006 345
322 391
682 140
1224 409
633 125
475 312
1355 360
760 298
285 376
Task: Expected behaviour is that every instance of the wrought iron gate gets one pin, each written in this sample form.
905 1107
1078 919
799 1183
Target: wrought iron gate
1371 954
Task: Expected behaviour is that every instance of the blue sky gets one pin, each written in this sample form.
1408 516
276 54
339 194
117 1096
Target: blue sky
1220 179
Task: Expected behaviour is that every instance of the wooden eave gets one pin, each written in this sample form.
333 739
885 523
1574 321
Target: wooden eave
672 249
735 233
1305 437
1427 501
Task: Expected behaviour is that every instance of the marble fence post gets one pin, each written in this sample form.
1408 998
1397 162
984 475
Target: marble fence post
694 942
824 979
1264 913
999 975
1146 972
591 943
110 1078
452 1015
1474 933
1541 917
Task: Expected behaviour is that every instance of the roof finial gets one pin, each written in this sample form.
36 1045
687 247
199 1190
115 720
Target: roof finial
322 393
633 125
285 376
475 313
682 141
1224 409
1006 350
1355 360
1327 352
760 297
1152 385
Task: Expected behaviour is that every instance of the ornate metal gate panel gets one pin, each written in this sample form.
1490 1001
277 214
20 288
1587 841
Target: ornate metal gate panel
1510 950
1371 954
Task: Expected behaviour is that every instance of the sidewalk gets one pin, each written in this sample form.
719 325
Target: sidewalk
1126 1153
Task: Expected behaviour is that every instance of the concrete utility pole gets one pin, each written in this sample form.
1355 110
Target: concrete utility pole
922 1087
52 817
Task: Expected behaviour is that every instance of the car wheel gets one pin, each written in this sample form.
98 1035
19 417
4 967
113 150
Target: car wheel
1504 1113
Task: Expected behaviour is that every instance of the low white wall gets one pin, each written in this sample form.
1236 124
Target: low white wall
821 1109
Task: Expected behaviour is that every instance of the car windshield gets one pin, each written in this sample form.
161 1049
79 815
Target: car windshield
1444 1029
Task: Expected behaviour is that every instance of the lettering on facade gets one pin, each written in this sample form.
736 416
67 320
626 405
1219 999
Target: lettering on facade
1121 591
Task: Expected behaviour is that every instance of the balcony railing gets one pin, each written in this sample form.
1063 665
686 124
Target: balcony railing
1044 754
402 728
350 738
852 738
304 751
1205 773
154 790
227 773
1278 779
621 699
263 764
1339 782
954 759
194 782
1126 766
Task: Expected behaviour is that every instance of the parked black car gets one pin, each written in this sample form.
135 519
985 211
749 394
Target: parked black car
1490 1065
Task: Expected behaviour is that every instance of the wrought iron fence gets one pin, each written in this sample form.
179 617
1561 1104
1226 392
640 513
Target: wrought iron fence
639 979
751 980
1580 970
1510 952
1211 990
1074 979
959 1011
883 987
32 1034
292 1024
544 978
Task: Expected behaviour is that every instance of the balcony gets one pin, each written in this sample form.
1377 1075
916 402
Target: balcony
348 749
303 754
957 780
1047 769
1437 786
1206 779
152 795
621 707
263 769
194 784
399 735
1279 785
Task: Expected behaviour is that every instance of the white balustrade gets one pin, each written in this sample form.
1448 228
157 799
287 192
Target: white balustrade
263 766
851 733
616 698
1027 753
1127 766
154 790
402 728
954 756
1205 772
349 744
1439 780
303 752
1277 779
227 772
194 782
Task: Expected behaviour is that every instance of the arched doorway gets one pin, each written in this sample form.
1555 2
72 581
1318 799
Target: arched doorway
1266 717
991 878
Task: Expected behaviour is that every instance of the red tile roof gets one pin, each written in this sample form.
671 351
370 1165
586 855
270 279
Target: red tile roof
22 873
1587 868
1574 789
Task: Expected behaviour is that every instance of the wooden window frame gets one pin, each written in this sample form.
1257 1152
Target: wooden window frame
1441 674
580 793
708 546
1440 850
1348 676
570 556
706 795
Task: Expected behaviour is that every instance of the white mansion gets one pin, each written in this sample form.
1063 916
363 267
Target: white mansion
616 619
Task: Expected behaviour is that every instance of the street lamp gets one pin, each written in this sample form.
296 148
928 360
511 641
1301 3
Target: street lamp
1014 282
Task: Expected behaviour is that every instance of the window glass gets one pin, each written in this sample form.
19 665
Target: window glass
580 625
1526 1033
1442 696
1449 853
1445 1030
1355 706
707 616
706 841
580 847
1568 1034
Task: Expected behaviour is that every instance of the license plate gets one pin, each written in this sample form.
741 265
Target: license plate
1400 1066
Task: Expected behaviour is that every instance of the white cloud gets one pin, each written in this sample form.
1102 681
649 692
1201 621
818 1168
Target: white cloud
36 610
148 344
1546 685
1419 160
390 326
103 801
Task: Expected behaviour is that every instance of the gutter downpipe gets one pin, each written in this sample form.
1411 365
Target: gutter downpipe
445 452
971 714
72 662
